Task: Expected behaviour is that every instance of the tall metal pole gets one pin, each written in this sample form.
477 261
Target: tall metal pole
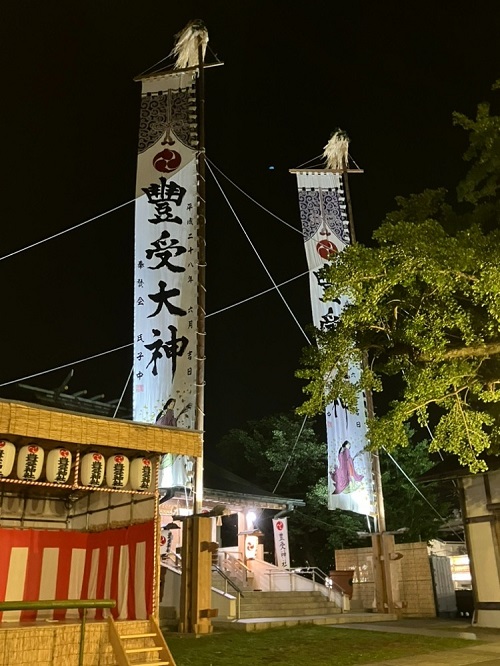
377 476
200 339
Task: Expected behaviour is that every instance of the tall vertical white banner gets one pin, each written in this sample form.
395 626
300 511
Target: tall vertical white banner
281 548
166 262
325 226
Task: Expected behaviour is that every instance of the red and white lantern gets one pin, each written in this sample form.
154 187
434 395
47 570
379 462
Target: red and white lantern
163 545
58 467
7 456
251 543
92 469
141 472
117 471
30 462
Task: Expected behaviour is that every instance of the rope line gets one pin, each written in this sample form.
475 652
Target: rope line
110 351
148 69
291 454
123 392
66 365
257 255
287 224
261 293
309 161
419 491
65 231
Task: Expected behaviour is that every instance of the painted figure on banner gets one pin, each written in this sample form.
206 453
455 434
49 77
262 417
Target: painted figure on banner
166 417
344 476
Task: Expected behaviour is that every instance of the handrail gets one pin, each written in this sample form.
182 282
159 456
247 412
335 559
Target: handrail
230 556
227 580
177 559
313 570
56 604
216 568
333 591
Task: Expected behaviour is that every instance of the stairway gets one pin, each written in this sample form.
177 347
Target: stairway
285 604
149 647
218 582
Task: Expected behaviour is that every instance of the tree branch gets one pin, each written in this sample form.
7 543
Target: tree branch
474 351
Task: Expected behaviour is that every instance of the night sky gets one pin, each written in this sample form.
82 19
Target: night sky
389 73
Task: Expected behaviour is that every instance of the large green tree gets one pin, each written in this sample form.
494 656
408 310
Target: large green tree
423 314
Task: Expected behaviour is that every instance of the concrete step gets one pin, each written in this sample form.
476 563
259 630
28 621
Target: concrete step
284 603
280 593
258 624
288 612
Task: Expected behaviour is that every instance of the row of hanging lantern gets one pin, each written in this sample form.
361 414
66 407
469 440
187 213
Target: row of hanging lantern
118 470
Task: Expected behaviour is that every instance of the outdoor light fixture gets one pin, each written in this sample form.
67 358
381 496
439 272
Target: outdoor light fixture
251 518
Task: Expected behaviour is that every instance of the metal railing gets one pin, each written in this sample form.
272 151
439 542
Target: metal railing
228 581
295 579
62 604
317 575
232 563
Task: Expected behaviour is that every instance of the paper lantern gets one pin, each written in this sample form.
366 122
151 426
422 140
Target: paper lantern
92 469
58 467
141 470
251 543
30 462
7 456
117 471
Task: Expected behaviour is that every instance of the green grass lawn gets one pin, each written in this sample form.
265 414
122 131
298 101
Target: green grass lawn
295 646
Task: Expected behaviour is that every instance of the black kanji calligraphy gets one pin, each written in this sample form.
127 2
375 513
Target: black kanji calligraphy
162 195
172 349
161 298
164 249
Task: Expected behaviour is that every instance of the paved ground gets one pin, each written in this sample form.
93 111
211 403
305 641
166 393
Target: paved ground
487 653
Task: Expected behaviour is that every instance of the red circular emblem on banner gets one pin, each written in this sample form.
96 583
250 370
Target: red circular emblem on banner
146 462
280 526
163 541
33 449
167 161
119 459
63 453
326 248
2 443
97 457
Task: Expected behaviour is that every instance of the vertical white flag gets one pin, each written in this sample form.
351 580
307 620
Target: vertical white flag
166 262
325 226
281 549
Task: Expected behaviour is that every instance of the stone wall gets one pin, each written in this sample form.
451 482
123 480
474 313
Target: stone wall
411 575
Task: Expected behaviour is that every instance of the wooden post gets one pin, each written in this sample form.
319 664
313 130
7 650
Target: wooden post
196 580
200 339
381 542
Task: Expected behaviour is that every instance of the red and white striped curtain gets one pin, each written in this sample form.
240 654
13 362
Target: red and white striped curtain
113 564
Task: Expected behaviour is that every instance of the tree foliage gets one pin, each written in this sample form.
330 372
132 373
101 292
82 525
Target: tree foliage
422 313
264 449
261 452
422 510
